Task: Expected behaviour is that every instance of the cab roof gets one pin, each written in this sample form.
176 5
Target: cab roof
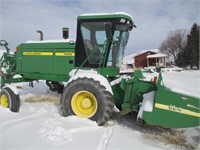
106 15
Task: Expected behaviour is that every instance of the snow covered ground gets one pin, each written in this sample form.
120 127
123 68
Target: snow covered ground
40 126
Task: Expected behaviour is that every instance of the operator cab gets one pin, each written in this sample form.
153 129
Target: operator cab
101 40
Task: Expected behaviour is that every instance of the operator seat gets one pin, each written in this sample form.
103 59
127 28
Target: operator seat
95 57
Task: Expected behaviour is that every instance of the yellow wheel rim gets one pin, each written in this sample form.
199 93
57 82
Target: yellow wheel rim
84 104
4 101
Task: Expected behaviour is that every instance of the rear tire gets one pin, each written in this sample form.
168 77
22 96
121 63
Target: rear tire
9 99
87 98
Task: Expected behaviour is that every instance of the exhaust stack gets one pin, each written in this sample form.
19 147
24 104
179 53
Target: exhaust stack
41 34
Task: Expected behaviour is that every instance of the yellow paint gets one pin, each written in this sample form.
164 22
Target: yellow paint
4 101
38 53
84 104
48 54
178 110
65 54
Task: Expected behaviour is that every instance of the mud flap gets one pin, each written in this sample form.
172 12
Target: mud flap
174 110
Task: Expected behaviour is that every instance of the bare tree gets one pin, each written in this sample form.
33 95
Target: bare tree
175 43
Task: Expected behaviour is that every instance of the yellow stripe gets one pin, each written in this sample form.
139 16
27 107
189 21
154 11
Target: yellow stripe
38 53
65 54
177 109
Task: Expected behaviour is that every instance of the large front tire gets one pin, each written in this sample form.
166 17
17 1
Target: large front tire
87 98
9 99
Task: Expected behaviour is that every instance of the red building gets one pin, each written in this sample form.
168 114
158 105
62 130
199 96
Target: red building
150 59
141 59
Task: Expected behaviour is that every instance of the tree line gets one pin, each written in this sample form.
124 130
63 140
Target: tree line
183 47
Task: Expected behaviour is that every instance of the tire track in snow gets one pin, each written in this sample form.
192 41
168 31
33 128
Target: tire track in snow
105 139
53 129
32 112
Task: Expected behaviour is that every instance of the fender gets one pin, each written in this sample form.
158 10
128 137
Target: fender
74 74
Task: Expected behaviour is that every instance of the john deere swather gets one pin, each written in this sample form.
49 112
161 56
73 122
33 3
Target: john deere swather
90 67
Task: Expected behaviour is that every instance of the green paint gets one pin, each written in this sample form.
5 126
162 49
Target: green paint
53 62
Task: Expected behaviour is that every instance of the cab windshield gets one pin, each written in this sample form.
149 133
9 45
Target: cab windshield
118 45
94 36
95 42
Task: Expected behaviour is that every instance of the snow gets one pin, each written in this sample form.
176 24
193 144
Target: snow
40 125
130 58
172 69
116 81
2 51
147 103
53 41
100 14
187 82
90 74
13 88
156 55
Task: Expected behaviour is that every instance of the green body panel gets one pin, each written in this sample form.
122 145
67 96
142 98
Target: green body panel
118 94
174 110
38 60
53 61
109 71
129 93
8 59
12 80
170 109
47 61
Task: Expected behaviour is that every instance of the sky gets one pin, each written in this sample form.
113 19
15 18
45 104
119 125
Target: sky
19 19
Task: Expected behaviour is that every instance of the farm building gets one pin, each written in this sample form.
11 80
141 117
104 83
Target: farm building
150 59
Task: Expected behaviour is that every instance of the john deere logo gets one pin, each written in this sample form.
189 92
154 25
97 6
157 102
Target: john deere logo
65 54
174 108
